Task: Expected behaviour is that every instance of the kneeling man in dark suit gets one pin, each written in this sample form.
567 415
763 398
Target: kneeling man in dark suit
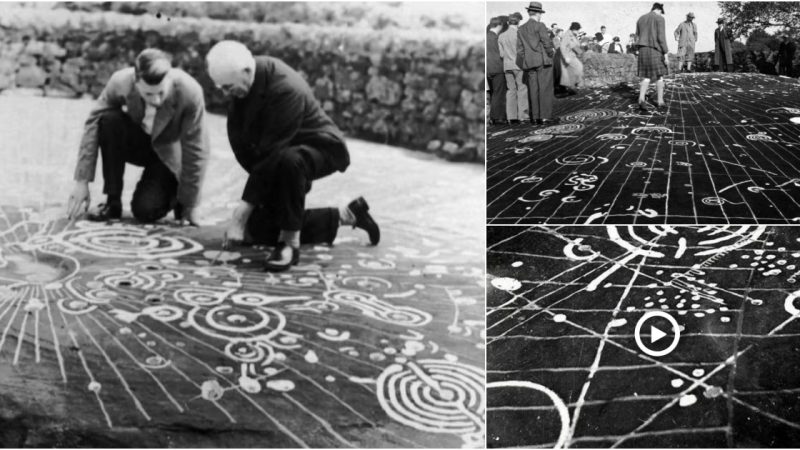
284 140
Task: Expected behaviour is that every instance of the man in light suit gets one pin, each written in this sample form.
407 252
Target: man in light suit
517 92
651 40
149 115
535 53
686 35
283 138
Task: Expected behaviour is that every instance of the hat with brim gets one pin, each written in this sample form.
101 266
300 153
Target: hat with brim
535 7
659 6
720 20
691 14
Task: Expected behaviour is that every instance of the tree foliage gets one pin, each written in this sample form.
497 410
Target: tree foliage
745 18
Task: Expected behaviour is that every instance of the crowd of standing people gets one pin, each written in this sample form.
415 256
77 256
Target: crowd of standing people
529 64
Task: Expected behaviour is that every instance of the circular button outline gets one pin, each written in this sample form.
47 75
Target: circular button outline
637 333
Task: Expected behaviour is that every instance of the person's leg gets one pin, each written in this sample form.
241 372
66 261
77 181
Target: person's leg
121 141
660 91
546 92
643 87
533 95
498 99
511 97
522 96
578 67
320 226
155 193
278 186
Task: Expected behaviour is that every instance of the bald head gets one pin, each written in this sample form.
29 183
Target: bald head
232 67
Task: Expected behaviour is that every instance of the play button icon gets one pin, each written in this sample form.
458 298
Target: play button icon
659 321
656 334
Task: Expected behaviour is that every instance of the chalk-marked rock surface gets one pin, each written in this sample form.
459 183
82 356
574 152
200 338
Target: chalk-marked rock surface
145 335
725 150
567 341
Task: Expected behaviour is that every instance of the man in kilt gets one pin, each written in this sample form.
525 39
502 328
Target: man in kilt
651 39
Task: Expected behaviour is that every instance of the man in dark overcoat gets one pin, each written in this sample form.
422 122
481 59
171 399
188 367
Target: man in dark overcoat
281 136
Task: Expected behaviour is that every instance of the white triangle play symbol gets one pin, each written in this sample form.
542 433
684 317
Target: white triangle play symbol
656 334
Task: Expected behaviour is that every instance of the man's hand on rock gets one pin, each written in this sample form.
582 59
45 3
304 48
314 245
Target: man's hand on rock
188 216
234 235
79 199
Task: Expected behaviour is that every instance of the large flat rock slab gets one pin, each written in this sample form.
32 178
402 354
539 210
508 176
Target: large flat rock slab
725 150
121 334
563 363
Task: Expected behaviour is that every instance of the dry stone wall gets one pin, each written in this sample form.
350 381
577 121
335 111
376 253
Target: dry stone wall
421 90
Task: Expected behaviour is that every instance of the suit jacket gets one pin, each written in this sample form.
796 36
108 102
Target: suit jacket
650 32
686 34
281 111
722 44
179 135
494 61
508 48
534 46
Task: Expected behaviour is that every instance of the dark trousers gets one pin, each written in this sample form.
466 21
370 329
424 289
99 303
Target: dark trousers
124 142
278 185
497 105
786 65
540 92
723 64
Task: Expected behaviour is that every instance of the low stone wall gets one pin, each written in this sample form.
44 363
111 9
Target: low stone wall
422 90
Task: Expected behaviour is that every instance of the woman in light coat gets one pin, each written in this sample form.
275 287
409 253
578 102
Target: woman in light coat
571 65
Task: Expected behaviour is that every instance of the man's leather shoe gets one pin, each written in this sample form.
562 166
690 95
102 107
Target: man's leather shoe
282 258
513 122
364 220
536 121
552 121
106 212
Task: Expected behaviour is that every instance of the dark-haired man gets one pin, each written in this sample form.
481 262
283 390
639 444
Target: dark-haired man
282 137
149 115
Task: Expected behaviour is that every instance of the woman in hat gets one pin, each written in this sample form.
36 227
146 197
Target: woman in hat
615 46
598 42
631 47
571 65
